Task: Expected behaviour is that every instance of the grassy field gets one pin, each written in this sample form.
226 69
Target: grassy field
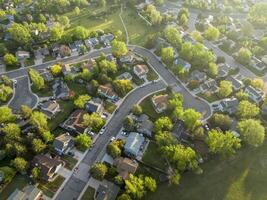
243 177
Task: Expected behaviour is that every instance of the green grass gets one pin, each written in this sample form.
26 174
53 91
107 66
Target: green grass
50 188
243 177
70 162
77 88
209 97
151 153
46 92
147 171
110 107
152 75
88 194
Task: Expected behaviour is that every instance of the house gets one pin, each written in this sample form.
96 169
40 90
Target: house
30 192
198 76
144 125
134 144
74 123
125 76
209 86
73 48
229 105
48 166
91 42
186 66
236 83
50 108
21 55
61 90
106 39
63 143
41 52
188 38
66 69
141 71
254 94
107 91
125 166
160 102
223 70
47 76
94 105
110 58
257 64
55 49
78 44
106 191
127 58
179 131
89 64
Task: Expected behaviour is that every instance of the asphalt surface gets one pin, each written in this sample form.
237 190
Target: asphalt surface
22 95
77 182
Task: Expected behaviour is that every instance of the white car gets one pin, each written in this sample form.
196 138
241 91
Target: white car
112 139
101 132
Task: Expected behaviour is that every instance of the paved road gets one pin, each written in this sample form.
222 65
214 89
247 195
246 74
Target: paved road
77 182
22 95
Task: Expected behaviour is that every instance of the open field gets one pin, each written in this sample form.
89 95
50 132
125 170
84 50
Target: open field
243 177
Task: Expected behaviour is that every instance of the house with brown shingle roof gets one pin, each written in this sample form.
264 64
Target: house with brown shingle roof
74 123
89 64
160 102
107 91
50 108
48 166
141 71
125 166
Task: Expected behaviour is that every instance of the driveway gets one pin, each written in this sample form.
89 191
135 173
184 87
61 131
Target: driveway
22 95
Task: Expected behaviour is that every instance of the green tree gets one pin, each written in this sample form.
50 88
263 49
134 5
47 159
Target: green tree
35 173
225 144
165 138
56 69
98 171
225 88
137 110
20 164
241 95
128 123
124 197
122 87
258 83
258 14
10 60
114 148
247 110
37 80
20 33
173 36
118 48
191 118
25 111
163 124
12 132
6 115
80 33
212 33
196 35
167 56
81 101
222 121
83 141
39 120
38 146
56 33
244 56
251 131
213 70
5 92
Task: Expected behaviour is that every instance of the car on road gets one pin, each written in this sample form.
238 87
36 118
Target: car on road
15 83
124 133
101 132
206 127
112 139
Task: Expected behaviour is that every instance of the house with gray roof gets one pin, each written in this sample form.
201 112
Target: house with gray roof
94 105
229 105
254 94
134 143
106 191
236 83
91 42
144 125
209 86
198 76
30 192
63 143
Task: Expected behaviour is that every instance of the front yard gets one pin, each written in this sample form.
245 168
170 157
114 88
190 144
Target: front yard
50 188
88 194
70 162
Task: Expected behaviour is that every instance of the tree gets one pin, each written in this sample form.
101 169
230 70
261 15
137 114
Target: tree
241 95
20 33
81 101
83 141
258 83
39 120
191 118
5 92
98 171
6 115
77 10
118 48
122 87
124 197
153 14
10 60
251 132
167 56
212 33
37 80
225 88
163 124
258 14
114 148
247 110
106 66
20 164
213 70
56 33
38 146
196 35
137 110
56 69
128 123
35 173
150 184
25 111
165 138
183 20
247 29
94 121
12 133
173 36
244 56
80 33
225 144
64 50
222 121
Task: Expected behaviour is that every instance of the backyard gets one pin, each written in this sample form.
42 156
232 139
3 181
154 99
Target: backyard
242 177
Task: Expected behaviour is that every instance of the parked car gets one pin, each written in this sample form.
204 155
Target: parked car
112 139
102 131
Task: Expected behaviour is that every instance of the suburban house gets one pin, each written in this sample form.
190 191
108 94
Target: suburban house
107 91
75 122
223 70
186 66
125 166
106 39
110 58
21 55
30 192
198 76
63 143
236 83
254 94
229 105
89 64
209 86
127 59
91 42
125 76
48 166
141 71
106 191
47 76
160 102
94 105
50 108
179 131
144 125
66 69
61 90
134 143
257 64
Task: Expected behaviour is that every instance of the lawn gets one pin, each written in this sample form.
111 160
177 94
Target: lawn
88 194
50 188
209 97
152 75
109 107
46 92
243 177
70 162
